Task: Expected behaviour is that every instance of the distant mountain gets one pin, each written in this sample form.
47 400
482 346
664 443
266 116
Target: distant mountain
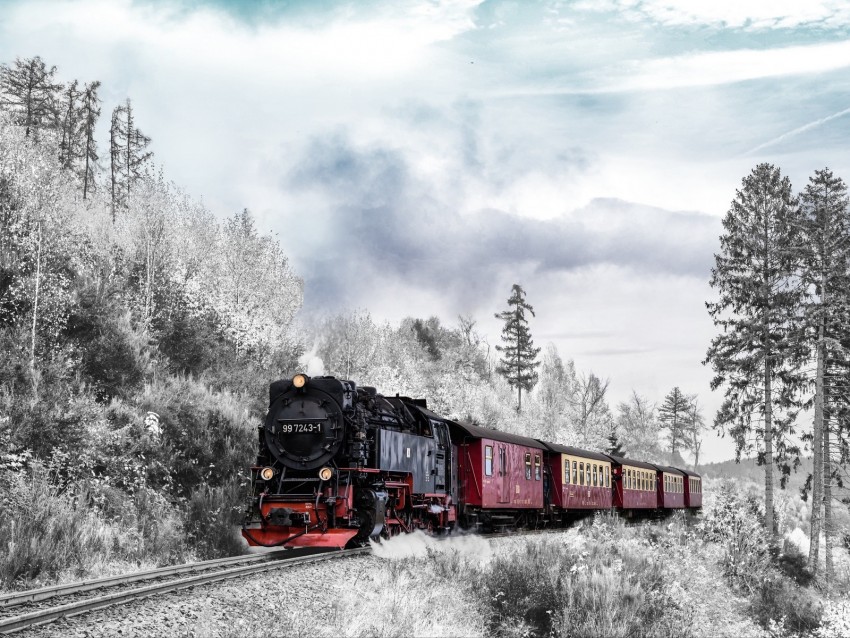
749 469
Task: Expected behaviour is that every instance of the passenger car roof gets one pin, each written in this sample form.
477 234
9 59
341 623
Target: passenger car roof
620 460
671 470
688 472
574 451
476 432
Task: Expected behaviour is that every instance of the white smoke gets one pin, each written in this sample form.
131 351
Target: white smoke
311 363
418 544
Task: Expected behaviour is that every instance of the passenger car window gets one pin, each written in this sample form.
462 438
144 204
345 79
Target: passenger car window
581 473
566 472
595 483
587 474
488 460
607 476
575 474
536 467
502 460
528 466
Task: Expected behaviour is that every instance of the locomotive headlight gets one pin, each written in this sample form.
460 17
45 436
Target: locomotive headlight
326 473
267 473
299 380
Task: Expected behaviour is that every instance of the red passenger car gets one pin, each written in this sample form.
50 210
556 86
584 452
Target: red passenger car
693 489
581 480
671 487
500 476
634 484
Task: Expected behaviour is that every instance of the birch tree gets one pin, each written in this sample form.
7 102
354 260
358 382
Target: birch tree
638 428
255 292
756 357
826 232
590 415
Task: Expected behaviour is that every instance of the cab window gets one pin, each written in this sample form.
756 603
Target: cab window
536 467
528 466
488 460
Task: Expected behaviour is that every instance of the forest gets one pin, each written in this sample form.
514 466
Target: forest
140 332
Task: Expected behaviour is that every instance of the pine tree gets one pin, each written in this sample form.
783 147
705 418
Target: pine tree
90 112
29 91
70 145
826 232
127 154
614 446
518 363
757 355
674 416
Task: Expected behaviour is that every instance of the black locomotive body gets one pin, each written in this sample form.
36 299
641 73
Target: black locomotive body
339 463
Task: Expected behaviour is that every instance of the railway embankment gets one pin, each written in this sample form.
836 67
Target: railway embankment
711 576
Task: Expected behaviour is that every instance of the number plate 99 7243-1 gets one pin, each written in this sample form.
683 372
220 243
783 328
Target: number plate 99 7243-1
300 428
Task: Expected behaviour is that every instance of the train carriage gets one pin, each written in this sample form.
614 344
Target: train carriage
581 479
693 489
634 484
500 476
671 487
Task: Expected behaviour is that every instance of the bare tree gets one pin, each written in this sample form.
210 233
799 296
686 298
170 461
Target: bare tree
589 410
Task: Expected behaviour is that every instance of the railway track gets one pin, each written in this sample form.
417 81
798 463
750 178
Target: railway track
22 610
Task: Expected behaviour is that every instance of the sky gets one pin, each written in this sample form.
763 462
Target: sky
419 157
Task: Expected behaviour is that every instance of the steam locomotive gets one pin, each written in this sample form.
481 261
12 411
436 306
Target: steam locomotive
339 464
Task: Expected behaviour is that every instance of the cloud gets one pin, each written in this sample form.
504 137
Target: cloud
712 68
380 223
752 15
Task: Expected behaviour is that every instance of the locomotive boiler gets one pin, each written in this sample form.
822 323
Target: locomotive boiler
339 464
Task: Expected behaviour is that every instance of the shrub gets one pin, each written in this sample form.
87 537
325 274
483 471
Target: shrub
615 587
797 608
43 531
213 517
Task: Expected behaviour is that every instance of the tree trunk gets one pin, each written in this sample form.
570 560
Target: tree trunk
112 157
88 156
827 503
35 299
768 452
817 463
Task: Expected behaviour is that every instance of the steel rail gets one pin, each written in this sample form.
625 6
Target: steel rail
43 616
35 595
